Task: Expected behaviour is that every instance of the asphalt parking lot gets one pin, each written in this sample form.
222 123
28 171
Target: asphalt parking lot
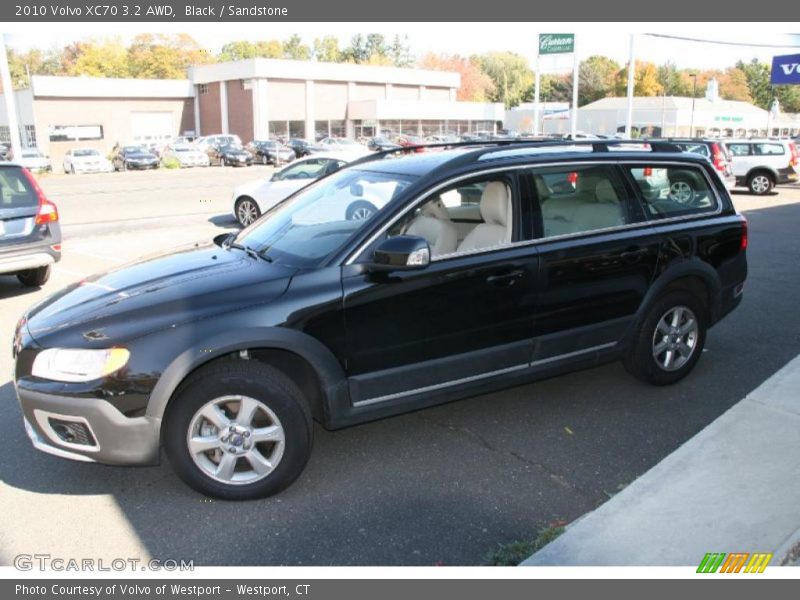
439 486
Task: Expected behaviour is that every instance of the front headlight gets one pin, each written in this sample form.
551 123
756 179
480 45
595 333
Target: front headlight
74 365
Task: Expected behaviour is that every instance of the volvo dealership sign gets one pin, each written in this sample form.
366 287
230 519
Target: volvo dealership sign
556 43
786 69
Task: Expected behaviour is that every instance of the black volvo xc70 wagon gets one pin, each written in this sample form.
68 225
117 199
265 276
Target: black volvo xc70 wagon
481 267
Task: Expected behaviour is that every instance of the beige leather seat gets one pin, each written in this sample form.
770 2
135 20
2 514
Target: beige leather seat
595 205
496 214
433 223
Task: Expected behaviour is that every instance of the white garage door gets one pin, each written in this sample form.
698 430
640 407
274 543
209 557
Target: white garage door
152 126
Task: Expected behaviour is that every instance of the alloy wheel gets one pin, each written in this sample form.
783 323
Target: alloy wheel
675 338
236 440
681 192
760 184
247 212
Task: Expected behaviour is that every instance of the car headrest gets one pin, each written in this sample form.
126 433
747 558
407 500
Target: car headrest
605 192
494 203
435 208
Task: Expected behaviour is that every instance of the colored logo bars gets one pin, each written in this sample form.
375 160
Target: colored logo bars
734 562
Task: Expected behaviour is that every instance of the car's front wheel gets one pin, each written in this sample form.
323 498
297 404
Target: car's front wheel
34 277
670 340
247 211
264 159
238 430
360 210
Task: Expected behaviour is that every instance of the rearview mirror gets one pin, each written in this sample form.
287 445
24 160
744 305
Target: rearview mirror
401 253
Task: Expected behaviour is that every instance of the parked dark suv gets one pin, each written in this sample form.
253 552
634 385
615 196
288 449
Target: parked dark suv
30 236
486 266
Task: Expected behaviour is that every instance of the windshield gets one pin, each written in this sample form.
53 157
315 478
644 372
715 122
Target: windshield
86 153
134 150
308 227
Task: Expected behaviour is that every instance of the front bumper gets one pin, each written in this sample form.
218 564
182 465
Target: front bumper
118 440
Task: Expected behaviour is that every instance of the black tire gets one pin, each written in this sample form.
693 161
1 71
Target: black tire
256 380
359 210
239 206
34 277
640 360
760 183
72 169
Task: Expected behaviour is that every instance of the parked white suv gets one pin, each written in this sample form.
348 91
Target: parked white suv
761 164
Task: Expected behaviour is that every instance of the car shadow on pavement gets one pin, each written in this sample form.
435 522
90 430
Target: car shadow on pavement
11 288
224 221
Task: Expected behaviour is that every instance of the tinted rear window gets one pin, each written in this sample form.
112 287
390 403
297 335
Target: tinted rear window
15 190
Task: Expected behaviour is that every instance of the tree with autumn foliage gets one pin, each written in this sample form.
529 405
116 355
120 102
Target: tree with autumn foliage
162 56
476 86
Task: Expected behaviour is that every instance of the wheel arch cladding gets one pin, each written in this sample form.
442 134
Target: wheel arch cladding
692 275
310 364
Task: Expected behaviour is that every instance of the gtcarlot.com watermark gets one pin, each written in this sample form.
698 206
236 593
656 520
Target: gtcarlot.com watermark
48 562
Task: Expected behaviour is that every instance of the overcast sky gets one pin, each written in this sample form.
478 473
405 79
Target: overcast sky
470 38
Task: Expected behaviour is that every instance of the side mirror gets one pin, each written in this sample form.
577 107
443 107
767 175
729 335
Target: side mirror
401 253
222 239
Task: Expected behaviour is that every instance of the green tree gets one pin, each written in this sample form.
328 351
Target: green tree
243 49
34 62
327 49
295 49
673 81
357 51
510 75
400 52
757 76
595 79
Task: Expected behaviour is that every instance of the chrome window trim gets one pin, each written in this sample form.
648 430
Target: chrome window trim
355 254
471 378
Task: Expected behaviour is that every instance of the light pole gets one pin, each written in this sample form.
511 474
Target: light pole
694 94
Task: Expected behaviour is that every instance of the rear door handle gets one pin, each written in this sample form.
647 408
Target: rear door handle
506 279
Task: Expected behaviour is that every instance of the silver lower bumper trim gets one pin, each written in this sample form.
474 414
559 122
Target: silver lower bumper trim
41 445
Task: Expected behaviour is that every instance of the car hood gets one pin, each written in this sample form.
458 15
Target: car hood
87 159
155 294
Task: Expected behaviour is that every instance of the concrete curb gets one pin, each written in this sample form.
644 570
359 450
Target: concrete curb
734 487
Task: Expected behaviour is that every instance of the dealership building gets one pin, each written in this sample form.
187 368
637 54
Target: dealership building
253 99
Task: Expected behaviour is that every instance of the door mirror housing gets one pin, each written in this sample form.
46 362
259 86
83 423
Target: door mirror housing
401 253
222 239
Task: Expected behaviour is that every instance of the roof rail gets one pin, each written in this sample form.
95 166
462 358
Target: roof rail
599 145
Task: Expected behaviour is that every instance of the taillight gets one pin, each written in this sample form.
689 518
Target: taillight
47 213
572 178
743 239
718 158
793 150
648 171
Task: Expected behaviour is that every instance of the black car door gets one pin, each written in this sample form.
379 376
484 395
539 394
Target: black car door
467 316
597 258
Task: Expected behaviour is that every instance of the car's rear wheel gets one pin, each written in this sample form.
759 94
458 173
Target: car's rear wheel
238 430
34 277
670 340
760 183
264 159
247 211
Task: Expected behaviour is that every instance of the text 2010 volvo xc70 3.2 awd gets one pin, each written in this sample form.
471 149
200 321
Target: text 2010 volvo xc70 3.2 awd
481 267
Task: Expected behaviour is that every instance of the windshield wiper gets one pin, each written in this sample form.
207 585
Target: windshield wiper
250 252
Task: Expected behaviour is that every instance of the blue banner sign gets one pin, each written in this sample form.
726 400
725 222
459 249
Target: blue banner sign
786 69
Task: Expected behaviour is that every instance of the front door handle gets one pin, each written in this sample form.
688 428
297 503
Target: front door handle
506 279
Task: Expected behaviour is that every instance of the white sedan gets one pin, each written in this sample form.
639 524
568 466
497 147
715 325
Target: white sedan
187 155
251 200
86 160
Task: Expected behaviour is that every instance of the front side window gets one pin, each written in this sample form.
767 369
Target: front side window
580 199
308 227
472 216
674 191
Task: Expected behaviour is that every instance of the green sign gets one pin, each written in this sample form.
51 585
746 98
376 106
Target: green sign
556 43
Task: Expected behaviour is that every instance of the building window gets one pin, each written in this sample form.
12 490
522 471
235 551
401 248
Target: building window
278 129
5 133
203 89
29 139
297 129
75 133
